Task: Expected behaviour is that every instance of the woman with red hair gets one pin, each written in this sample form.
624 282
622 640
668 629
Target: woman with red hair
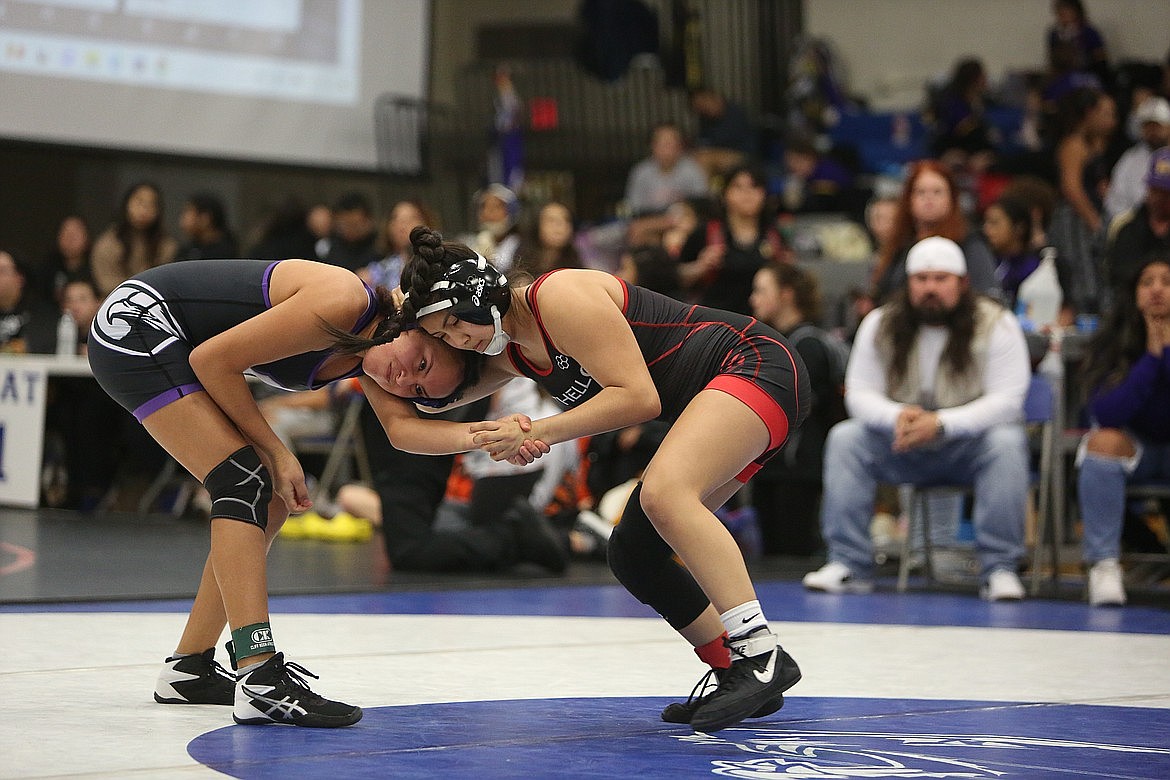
929 206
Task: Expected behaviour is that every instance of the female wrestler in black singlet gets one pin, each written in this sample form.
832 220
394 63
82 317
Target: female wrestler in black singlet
173 345
616 355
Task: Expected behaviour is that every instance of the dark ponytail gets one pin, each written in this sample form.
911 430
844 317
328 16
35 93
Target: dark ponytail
346 343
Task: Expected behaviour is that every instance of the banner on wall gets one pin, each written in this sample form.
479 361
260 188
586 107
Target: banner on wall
22 432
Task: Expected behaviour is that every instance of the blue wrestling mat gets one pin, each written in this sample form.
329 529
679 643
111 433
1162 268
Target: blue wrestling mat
622 737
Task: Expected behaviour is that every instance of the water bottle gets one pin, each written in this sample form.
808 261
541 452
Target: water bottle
66 335
1040 293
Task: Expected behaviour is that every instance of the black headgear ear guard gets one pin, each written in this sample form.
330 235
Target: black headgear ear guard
471 288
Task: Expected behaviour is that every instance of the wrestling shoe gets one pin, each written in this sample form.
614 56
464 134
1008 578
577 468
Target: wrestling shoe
683 711
760 672
275 692
194 679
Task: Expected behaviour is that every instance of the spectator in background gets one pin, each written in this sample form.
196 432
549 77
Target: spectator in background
550 244
787 491
881 218
286 234
353 242
1127 374
86 423
319 222
1087 121
203 221
395 242
683 217
1143 231
963 138
815 182
1041 198
929 206
652 267
500 487
79 299
726 137
1072 38
667 176
935 390
136 241
67 260
28 324
406 493
720 259
1127 182
1007 225
497 212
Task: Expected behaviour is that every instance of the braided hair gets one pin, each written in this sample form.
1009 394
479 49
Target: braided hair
432 257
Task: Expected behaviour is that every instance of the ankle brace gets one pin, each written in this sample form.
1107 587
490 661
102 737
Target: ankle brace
757 643
252 640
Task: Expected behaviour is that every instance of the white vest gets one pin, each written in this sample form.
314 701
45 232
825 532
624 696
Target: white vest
950 389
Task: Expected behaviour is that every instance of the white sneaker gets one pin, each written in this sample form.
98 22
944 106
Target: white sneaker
1105 584
835 577
1003 585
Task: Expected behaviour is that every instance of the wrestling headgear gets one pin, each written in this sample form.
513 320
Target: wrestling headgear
475 292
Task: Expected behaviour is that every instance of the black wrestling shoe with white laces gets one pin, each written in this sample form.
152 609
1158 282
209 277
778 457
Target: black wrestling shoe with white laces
195 679
275 692
683 711
760 671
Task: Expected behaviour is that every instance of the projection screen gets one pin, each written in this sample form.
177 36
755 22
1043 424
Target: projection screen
286 81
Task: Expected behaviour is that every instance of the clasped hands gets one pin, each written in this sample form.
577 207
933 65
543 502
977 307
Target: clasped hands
914 427
507 439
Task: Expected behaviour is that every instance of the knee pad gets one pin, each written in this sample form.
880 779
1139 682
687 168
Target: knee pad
240 488
644 564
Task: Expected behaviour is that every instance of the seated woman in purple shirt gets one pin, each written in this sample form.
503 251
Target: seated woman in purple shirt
1128 377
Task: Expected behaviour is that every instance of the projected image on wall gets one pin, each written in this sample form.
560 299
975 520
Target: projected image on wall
303 50
291 80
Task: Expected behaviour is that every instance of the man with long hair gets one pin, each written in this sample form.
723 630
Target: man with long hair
935 391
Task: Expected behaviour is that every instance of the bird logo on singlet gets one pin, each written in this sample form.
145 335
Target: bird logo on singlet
130 307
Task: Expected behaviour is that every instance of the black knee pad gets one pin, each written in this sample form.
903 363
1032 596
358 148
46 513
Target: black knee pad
240 488
644 564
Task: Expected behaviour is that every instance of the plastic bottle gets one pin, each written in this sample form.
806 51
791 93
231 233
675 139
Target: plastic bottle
1040 294
66 335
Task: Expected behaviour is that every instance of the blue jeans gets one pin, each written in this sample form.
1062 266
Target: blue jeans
1101 483
994 463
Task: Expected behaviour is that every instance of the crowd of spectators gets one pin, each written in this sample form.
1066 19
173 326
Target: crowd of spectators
1081 203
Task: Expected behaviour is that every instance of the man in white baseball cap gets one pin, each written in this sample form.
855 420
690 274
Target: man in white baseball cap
1127 182
935 391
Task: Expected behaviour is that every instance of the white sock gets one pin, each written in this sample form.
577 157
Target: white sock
242 673
742 620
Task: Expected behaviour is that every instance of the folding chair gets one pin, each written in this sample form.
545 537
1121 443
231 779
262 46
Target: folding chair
1153 567
1039 410
343 449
